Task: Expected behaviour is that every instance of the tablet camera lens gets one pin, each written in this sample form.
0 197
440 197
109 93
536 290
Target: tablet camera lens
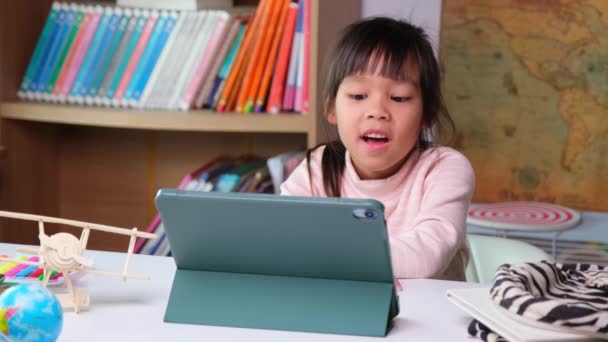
363 213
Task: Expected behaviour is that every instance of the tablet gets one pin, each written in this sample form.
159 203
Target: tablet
270 239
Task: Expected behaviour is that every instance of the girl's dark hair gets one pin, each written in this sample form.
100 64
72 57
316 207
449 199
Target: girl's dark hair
390 43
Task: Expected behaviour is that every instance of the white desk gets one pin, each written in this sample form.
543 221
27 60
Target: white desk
133 311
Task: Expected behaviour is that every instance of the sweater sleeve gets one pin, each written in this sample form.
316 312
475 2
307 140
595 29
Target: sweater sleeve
427 247
298 183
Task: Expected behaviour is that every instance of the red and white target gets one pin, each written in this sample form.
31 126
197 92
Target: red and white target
528 216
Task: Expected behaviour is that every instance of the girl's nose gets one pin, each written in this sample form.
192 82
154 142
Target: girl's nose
378 114
378 110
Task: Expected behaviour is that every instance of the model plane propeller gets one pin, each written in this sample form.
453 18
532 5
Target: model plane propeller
64 253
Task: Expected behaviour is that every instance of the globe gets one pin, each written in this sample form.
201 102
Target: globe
29 313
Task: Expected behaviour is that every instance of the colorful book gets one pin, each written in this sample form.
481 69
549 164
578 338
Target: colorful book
219 60
40 49
153 83
257 61
197 47
152 17
115 32
78 16
162 93
109 31
71 56
156 50
290 87
277 88
64 21
235 76
44 59
127 57
218 85
217 32
259 97
298 98
66 81
129 31
86 67
306 44
146 55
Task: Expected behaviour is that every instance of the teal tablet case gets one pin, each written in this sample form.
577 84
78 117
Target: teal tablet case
279 262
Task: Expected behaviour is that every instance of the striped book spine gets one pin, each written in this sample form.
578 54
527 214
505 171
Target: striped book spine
110 29
133 17
85 67
196 49
260 96
67 47
126 58
39 51
218 85
154 55
69 60
306 77
228 95
134 60
182 47
290 87
58 35
117 30
277 88
226 43
200 73
72 70
161 64
256 62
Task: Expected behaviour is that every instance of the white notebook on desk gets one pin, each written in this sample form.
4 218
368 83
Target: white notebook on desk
478 304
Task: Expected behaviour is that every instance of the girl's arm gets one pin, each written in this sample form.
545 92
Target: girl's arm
298 183
430 245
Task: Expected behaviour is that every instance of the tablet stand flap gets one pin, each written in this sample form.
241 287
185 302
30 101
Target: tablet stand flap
281 303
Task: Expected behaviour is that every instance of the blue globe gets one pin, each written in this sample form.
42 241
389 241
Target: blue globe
30 313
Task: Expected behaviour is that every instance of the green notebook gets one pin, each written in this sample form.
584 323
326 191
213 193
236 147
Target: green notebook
279 262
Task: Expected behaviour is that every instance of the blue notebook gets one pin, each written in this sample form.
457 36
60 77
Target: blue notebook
278 262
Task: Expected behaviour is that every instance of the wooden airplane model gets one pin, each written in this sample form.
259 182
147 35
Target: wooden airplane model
64 253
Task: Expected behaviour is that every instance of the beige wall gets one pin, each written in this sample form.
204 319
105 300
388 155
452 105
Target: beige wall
424 13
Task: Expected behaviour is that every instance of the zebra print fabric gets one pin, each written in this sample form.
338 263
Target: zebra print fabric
481 331
572 296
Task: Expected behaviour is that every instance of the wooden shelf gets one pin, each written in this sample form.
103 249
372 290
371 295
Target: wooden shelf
157 120
105 165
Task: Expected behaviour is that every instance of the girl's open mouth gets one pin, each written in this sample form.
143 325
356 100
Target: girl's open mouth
375 141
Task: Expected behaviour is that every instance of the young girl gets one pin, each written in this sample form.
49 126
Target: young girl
383 93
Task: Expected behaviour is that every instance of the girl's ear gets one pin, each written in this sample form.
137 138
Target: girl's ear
330 113
331 118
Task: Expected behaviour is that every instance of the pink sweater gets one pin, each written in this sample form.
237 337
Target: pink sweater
425 208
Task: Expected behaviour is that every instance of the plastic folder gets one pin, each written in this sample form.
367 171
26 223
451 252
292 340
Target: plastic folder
279 262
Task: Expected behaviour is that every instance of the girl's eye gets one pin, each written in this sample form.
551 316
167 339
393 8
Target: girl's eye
357 97
400 99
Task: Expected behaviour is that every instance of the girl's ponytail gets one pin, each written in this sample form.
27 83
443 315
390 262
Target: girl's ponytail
332 167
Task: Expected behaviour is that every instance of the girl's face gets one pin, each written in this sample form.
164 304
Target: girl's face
379 121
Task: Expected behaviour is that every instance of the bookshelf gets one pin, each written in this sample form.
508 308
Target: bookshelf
104 165
156 120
